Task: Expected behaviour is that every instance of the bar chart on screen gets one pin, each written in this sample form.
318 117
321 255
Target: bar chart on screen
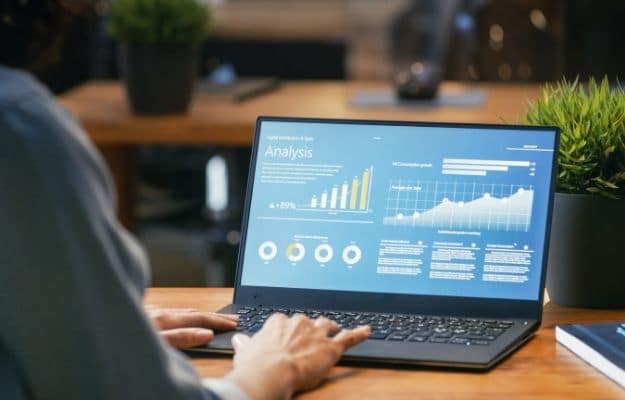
346 196
351 196
479 167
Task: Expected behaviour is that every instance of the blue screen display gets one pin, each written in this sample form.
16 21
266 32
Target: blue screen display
428 210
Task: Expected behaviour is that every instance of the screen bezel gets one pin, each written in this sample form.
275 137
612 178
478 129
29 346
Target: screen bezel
391 302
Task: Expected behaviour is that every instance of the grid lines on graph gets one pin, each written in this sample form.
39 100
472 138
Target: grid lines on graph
459 205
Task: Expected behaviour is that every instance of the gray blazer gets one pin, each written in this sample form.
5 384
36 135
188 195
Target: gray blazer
72 324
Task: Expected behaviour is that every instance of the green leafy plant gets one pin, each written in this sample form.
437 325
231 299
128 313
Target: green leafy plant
591 158
159 21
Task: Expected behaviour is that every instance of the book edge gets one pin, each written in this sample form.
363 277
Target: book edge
590 356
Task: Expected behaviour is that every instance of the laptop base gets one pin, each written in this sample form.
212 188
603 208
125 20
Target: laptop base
407 353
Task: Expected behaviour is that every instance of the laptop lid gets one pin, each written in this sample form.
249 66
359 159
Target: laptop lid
397 216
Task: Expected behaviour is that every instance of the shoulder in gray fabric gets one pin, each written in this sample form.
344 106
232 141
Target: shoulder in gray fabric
71 278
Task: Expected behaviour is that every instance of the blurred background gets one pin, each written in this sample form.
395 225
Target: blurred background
189 199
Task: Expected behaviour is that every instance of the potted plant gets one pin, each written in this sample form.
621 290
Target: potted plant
587 248
159 51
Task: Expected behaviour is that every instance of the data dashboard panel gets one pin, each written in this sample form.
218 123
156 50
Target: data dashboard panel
428 210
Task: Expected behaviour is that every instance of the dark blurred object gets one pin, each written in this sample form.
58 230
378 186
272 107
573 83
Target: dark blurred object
419 81
239 90
511 40
595 38
421 37
189 208
51 38
77 57
543 40
175 184
463 43
287 59
223 83
519 40
160 78
182 256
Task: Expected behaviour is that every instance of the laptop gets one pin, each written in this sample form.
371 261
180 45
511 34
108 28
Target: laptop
435 234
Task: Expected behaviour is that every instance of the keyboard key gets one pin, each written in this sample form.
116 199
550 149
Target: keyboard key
473 337
378 335
494 331
420 339
438 340
397 337
254 328
459 341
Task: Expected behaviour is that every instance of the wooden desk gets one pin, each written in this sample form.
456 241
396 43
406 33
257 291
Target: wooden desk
541 369
102 109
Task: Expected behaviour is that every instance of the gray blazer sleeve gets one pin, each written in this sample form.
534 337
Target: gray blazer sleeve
72 324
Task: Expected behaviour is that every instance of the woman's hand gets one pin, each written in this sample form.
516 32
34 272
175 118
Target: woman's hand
187 327
289 355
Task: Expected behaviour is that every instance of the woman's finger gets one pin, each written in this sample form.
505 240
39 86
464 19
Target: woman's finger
184 338
351 337
234 317
196 320
239 340
327 325
180 310
154 309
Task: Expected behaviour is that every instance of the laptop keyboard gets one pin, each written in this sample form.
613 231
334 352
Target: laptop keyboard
393 327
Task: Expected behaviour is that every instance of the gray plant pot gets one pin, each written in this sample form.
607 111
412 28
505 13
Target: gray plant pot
587 252
159 79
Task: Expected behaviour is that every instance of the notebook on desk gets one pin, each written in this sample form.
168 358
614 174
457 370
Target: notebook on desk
600 345
433 234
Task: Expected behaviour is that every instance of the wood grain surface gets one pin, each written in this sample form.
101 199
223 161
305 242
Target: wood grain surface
542 369
101 108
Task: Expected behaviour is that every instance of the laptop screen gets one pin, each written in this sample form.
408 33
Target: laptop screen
448 210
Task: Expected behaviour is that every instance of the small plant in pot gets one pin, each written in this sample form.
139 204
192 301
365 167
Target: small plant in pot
159 41
587 246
